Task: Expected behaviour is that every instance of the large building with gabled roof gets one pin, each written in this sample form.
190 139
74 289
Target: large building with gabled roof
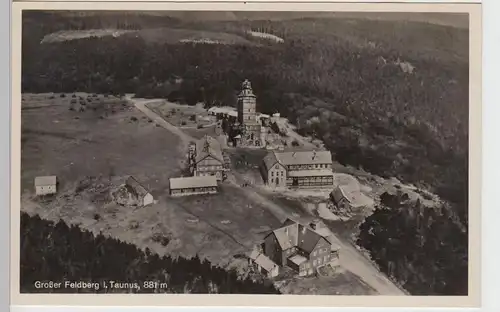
298 169
206 158
302 247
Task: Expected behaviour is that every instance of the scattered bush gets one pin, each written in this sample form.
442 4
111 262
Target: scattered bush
295 143
133 118
160 238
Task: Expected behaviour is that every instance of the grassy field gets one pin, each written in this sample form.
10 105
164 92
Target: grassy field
72 144
182 116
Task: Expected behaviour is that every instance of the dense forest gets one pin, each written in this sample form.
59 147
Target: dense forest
58 252
388 97
421 248
368 111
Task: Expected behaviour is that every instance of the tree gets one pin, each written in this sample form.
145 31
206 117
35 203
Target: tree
438 266
57 252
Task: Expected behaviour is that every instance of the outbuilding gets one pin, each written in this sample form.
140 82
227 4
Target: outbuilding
193 185
45 185
266 266
346 198
139 192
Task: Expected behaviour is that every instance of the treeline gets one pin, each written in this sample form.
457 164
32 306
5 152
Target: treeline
421 248
58 252
354 96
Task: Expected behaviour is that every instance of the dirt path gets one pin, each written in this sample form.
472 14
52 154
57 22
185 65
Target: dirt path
140 104
351 259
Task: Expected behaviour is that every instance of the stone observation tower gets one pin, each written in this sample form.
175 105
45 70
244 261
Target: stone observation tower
247 115
247 104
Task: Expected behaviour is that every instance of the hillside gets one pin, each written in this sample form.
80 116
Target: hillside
58 252
396 122
386 96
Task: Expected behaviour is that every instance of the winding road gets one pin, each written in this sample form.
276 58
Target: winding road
350 258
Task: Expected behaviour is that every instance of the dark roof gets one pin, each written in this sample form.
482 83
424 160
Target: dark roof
288 221
270 160
246 89
294 234
134 187
308 239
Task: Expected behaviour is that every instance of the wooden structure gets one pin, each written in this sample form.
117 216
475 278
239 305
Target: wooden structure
346 199
138 192
193 185
207 158
263 264
45 185
298 169
301 247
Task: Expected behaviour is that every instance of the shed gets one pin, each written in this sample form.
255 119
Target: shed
45 185
193 185
346 198
267 266
139 192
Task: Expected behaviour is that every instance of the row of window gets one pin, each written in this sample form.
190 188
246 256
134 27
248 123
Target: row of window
315 263
306 179
202 174
319 251
305 167
277 173
309 183
193 190
320 261
207 168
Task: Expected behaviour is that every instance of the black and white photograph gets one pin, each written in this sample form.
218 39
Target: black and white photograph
244 152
